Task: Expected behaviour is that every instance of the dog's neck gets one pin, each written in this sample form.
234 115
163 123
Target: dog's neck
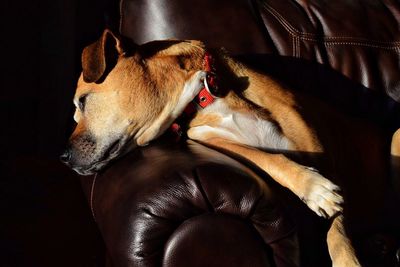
220 80
204 98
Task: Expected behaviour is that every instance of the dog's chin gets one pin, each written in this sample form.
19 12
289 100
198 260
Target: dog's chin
85 171
94 167
113 152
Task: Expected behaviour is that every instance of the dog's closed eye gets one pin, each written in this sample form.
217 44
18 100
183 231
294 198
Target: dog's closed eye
182 62
82 102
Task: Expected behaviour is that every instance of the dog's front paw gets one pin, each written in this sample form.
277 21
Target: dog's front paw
321 195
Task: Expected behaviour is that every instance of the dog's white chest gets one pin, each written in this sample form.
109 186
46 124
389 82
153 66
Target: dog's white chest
245 128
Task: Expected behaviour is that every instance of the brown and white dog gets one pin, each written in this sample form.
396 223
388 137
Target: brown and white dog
129 95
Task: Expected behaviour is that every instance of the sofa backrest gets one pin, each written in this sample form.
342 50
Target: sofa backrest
360 39
229 23
347 52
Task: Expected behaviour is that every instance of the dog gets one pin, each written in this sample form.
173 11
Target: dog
128 95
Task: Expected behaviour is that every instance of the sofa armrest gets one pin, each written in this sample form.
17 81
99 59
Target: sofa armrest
180 203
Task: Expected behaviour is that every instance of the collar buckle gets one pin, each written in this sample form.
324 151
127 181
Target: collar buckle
211 84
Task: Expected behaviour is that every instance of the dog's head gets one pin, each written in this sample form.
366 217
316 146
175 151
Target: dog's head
128 95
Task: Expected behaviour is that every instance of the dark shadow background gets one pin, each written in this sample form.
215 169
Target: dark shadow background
44 218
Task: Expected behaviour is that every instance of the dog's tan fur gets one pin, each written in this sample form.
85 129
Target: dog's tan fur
149 86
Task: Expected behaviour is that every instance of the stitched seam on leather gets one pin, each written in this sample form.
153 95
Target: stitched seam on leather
395 48
358 39
332 43
284 22
299 49
314 37
92 196
202 191
293 46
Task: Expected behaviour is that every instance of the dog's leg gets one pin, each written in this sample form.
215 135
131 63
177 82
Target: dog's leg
395 160
316 191
339 246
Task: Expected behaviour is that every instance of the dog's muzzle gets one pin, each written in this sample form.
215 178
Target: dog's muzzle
84 157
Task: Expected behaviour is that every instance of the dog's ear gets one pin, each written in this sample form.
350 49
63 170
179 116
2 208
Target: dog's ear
101 56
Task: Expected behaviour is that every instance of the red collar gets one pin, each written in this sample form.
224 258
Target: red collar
203 99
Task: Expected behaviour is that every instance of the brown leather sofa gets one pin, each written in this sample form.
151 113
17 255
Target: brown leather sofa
183 204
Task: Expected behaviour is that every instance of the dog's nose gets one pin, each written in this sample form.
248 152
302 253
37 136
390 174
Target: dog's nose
65 157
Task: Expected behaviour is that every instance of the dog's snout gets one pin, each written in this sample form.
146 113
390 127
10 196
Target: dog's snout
80 152
65 157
